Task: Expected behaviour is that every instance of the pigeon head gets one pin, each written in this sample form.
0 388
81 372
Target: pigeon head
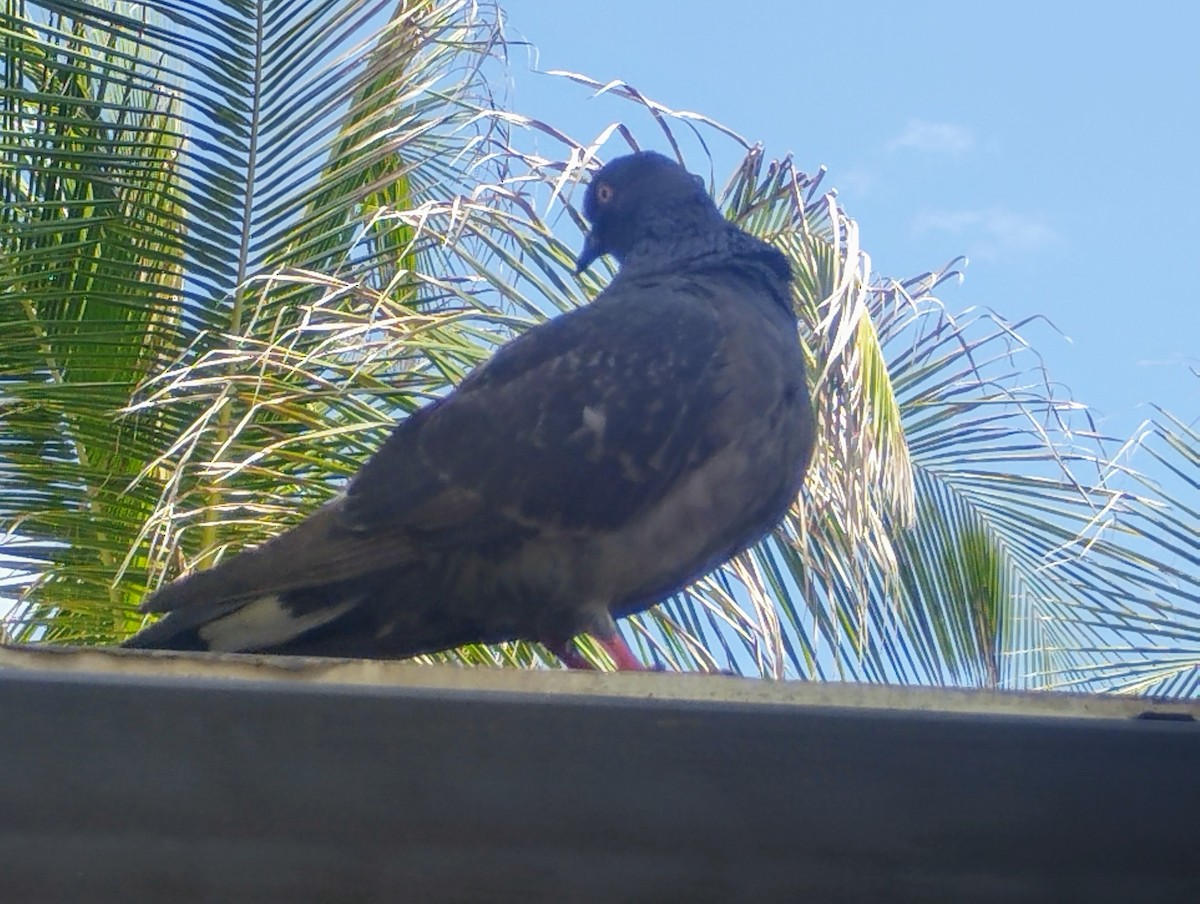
638 197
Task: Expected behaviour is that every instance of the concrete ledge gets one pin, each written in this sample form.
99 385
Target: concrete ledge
163 777
624 685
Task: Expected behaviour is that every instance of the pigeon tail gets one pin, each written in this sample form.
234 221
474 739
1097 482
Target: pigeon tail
240 626
390 614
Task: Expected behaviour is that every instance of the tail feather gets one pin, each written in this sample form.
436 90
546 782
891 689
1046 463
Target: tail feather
362 619
178 630
259 598
315 552
239 627
387 613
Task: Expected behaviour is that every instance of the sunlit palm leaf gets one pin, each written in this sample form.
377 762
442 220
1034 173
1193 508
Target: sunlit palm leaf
157 158
92 270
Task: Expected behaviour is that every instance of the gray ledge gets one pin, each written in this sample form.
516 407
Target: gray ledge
171 777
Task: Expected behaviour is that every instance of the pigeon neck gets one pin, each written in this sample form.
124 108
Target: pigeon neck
719 244
666 243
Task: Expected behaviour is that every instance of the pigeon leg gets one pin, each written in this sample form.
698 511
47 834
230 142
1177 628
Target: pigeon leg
622 656
604 631
570 656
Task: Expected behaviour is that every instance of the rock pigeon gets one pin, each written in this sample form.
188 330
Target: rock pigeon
595 465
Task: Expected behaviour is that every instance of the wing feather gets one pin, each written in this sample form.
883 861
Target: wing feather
580 424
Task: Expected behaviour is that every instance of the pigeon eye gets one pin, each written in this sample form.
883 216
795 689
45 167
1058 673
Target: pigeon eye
604 193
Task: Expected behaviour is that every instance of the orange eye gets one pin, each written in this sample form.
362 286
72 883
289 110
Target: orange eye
604 193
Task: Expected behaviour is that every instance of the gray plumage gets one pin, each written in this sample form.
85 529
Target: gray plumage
595 465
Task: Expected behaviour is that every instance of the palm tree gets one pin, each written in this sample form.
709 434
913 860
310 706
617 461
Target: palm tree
240 241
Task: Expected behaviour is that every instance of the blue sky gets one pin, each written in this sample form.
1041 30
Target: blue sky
1055 144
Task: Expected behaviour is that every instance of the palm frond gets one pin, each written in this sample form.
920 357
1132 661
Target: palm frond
158 158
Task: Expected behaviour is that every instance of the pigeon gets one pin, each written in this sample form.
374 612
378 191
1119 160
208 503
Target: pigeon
594 466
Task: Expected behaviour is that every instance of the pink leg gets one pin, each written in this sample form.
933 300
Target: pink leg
622 656
570 656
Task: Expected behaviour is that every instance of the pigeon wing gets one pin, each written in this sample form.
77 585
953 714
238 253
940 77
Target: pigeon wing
578 425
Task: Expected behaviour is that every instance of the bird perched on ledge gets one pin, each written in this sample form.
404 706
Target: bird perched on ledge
595 465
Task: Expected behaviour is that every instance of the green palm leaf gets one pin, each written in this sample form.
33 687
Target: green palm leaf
155 165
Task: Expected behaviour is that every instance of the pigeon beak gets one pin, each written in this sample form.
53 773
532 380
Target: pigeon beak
591 250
